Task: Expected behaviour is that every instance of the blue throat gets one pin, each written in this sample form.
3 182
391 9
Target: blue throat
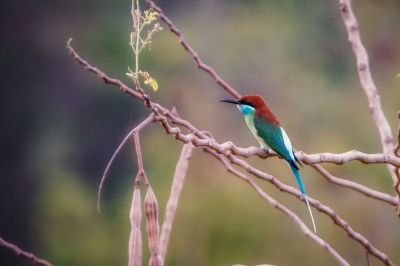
246 109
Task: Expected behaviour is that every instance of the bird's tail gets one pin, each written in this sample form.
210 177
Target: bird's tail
296 173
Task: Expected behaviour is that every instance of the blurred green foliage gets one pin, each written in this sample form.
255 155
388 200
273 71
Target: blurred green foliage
293 53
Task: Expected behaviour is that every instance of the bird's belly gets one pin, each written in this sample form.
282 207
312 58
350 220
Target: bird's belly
250 125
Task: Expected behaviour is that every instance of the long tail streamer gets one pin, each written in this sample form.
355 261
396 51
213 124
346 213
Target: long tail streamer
296 173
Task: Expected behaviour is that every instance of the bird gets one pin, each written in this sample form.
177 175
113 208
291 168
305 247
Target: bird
267 129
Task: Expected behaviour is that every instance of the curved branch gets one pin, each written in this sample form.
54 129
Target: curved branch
199 138
281 186
342 158
245 152
280 207
397 153
336 158
318 205
363 71
139 155
368 84
106 79
355 186
199 62
24 254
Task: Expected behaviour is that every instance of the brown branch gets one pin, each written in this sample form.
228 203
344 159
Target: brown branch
282 187
106 79
397 153
346 157
199 62
397 148
228 146
364 74
292 216
318 205
368 259
141 175
356 186
339 158
326 157
135 215
174 195
368 84
199 138
138 152
24 254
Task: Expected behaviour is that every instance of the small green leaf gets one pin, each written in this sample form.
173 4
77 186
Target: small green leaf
151 15
398 76
152 83
148 80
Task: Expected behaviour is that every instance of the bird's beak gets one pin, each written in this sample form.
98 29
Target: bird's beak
230 101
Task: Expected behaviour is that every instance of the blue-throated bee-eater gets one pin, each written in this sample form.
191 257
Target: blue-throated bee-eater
267 130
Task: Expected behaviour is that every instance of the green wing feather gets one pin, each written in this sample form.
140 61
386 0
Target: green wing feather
272 136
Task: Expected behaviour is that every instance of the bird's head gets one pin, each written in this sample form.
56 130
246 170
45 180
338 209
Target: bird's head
248 104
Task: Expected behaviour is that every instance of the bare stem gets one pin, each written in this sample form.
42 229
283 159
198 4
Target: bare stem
368 84
24 254
355 186
200 64
291 215
138 153
200 138
397 153
138 29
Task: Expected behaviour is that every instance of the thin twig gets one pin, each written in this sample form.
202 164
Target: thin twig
172 204
368 84
284 188
368 259
346 157
397 153
335 158
363 69
141 176
397 148
318 205
24 254
292 216
106 79
103 177
199 138
355 186
200 64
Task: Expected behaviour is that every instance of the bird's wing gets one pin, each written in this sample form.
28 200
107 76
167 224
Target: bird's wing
275 137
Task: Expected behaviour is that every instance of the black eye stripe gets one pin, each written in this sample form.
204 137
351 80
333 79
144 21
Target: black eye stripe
246 103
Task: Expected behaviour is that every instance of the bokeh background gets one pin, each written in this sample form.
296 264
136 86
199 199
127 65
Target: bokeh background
60 125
